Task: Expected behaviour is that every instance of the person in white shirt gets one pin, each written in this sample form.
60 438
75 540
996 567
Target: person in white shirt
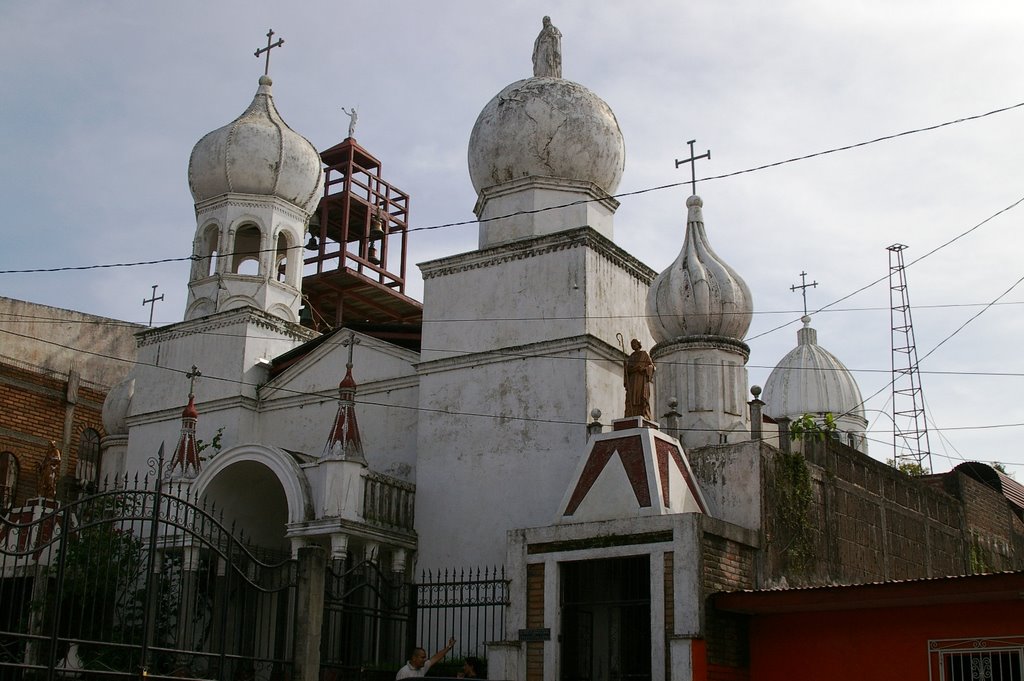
418 663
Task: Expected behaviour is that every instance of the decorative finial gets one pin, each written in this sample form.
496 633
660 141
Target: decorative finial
350 342
547 52
803 286
267 49
693 166
755 390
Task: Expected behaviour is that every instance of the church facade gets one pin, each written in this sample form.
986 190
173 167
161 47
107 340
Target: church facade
482 426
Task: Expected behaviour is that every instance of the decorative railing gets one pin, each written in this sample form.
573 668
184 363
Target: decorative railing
388 501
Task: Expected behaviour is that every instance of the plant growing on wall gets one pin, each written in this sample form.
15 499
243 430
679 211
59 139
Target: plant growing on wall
793 500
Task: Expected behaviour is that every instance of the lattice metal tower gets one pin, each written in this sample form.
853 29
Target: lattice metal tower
910 430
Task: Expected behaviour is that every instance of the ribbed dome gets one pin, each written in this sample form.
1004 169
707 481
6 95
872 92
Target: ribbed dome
257 153
811 380
547 127
698 295
116 406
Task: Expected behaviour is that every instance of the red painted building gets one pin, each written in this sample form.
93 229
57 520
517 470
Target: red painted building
949 628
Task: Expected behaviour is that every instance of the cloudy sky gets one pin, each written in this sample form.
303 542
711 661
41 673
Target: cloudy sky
103 101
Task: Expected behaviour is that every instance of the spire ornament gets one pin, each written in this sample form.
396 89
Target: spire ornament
547 51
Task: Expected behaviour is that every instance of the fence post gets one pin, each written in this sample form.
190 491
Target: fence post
309 612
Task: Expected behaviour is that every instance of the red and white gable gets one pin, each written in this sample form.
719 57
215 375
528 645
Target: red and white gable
635 470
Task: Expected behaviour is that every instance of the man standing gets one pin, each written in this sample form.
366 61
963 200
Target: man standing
418 663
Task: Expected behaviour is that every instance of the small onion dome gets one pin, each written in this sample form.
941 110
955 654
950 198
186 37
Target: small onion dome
116 406
257 153
547 127
698 295
811 380
189 412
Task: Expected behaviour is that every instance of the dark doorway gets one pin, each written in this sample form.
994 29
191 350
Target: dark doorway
606 620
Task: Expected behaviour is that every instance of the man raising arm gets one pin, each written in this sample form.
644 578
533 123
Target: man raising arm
418 663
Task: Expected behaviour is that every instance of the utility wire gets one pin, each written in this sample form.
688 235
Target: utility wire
637 192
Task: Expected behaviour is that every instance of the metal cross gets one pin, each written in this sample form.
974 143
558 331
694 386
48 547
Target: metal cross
351 342
693 166
803 288
267 49
192 376
152 303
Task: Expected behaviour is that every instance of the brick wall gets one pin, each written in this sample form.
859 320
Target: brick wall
33 405
535 620
727 566
870 522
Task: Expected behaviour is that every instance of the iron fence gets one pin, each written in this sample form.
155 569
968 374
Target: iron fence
468 604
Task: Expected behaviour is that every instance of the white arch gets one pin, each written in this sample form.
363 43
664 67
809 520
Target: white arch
281 464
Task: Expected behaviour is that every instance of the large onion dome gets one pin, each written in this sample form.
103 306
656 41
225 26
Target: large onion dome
257 153
549 127
699 294
811 380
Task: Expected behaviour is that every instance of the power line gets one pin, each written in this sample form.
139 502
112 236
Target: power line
621 195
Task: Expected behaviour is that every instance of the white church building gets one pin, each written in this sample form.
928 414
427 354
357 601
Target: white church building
482 425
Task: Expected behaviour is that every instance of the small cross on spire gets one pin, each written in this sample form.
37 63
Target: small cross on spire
192 376
803 288
267 49
693 166
351 342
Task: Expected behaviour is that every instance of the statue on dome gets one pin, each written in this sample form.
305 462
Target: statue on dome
49 472
353 116
638 372
547 52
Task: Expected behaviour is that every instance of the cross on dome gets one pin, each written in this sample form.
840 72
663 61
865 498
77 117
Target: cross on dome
267 49
693 166
803 286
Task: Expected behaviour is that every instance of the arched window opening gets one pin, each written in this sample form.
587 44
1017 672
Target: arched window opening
246 256
281 260
9 469
88 468
211 249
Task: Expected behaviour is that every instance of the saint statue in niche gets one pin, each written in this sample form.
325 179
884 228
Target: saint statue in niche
49 471
638 374
547 52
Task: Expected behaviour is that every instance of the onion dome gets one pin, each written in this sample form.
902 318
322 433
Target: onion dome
257 153
811 380
116 406
549 127
699 294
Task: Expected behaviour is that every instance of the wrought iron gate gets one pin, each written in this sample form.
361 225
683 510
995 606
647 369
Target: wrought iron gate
366 622
140 579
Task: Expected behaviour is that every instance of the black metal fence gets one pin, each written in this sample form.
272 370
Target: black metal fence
139 579
468 604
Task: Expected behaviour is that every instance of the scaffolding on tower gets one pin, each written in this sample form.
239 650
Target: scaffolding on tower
910 445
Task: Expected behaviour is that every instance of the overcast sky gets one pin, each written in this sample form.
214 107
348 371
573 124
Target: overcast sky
103 101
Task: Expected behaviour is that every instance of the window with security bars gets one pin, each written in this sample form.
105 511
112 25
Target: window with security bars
8 480
88 457
978 659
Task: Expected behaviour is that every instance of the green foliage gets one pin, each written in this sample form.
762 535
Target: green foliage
1001 467
214 442
808 427
909 467
794 498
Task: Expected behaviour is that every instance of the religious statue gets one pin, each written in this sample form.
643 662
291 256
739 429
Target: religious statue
547 52
353 116
49 472
638 374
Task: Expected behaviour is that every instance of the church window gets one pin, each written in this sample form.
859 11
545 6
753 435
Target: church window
208 250
987 659
9 470
88 467
246 256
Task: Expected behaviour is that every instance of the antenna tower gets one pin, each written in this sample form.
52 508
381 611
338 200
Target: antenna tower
910 430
